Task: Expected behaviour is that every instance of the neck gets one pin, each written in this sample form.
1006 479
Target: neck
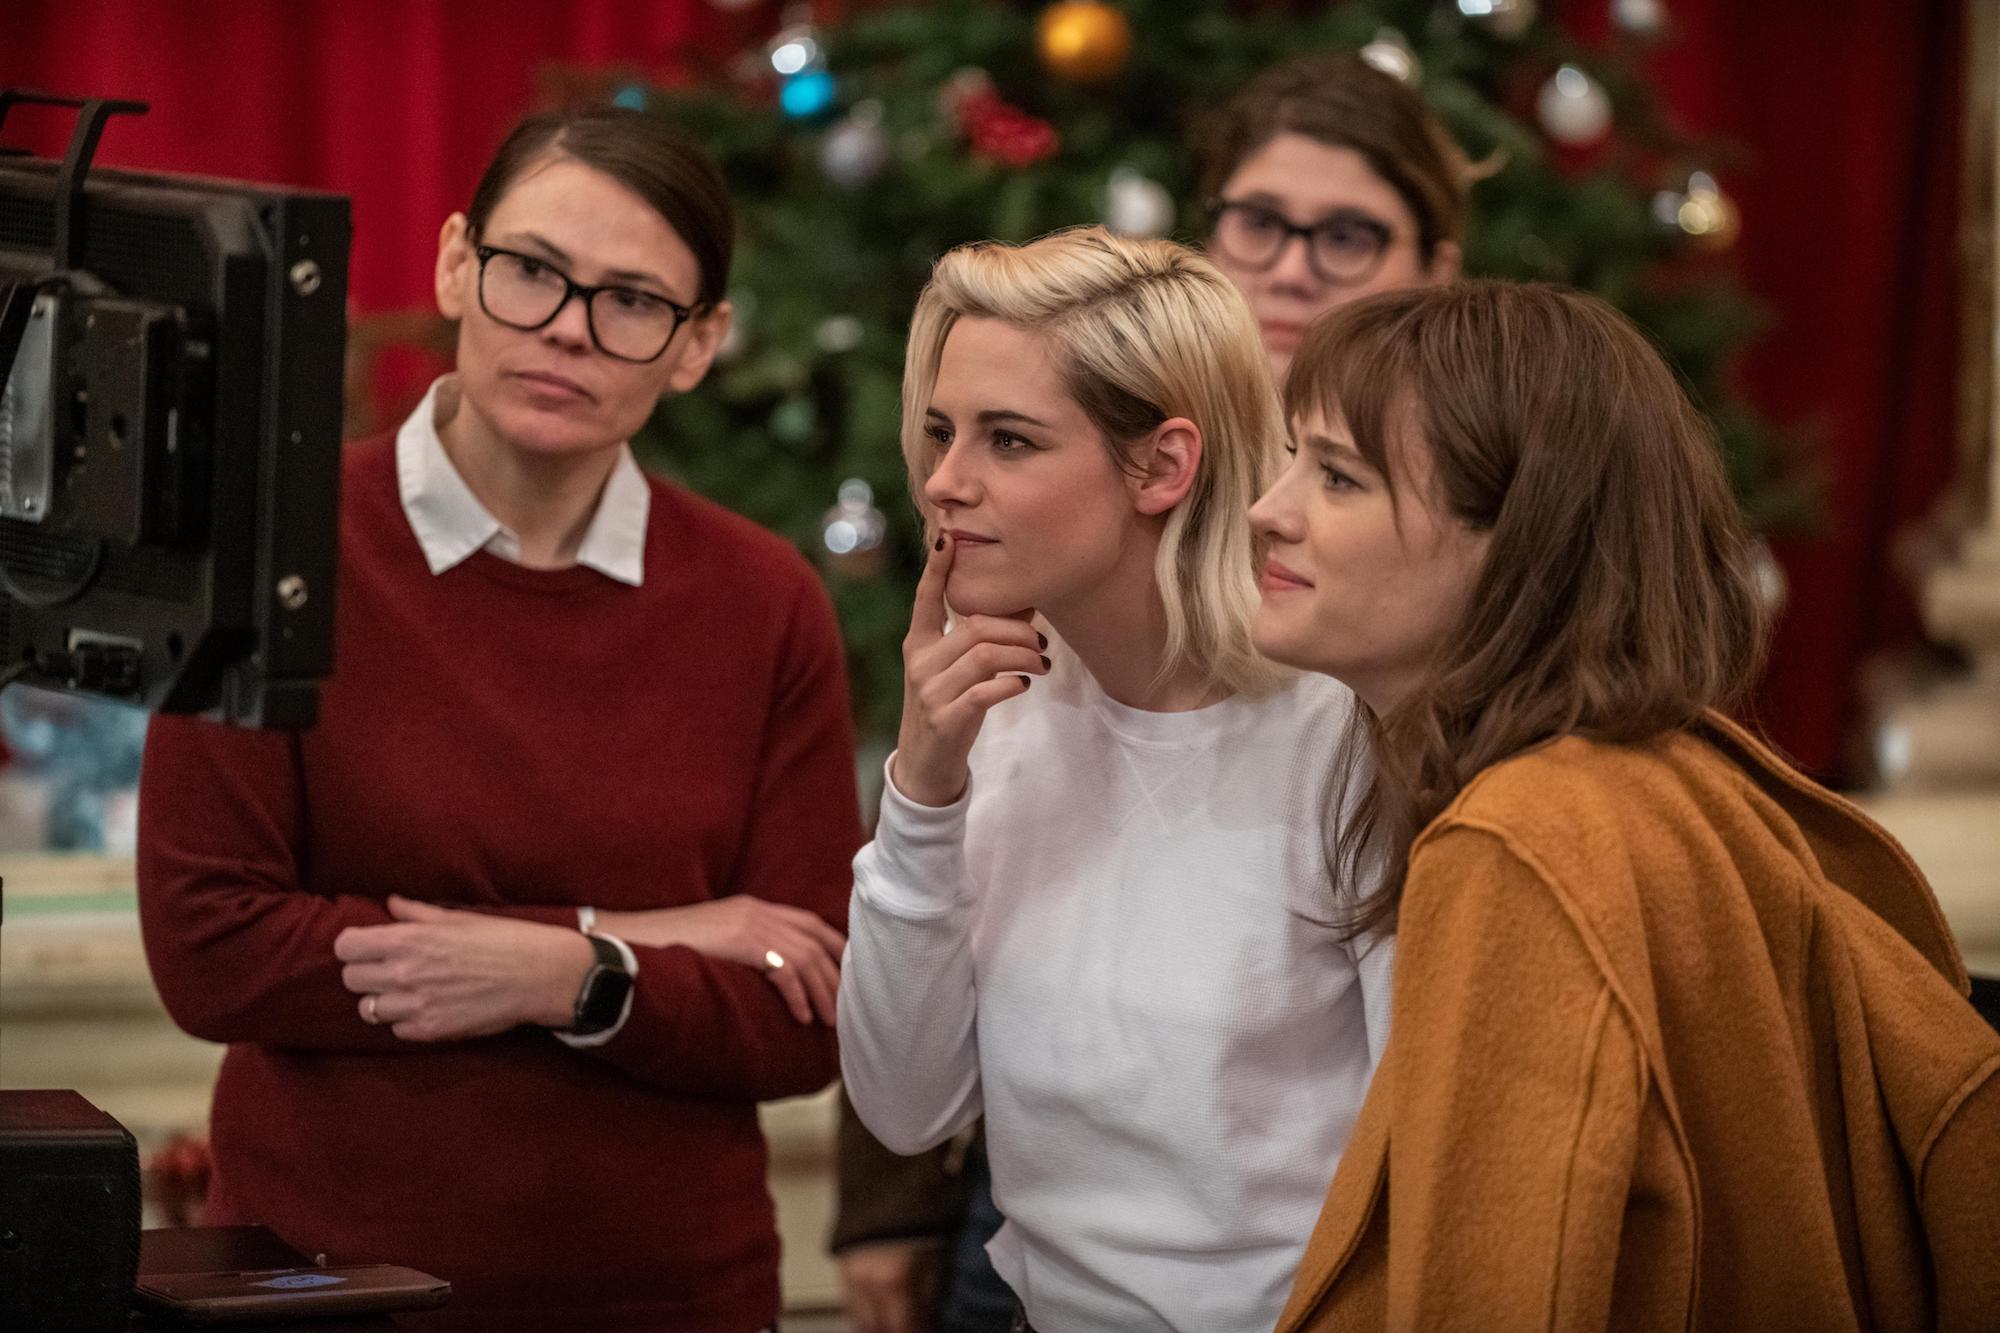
1119 633
1380 693
546 501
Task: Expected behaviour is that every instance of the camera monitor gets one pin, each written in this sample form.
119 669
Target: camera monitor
170 350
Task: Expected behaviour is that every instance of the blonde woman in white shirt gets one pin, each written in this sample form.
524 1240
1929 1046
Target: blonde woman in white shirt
1097 908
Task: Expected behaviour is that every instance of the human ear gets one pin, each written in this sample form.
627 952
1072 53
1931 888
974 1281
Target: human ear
1172 457
1447 260
455 262
705 333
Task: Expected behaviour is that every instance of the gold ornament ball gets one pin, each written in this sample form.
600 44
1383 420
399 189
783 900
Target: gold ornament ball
1082 41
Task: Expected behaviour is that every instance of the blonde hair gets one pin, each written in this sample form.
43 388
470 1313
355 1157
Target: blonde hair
1142 330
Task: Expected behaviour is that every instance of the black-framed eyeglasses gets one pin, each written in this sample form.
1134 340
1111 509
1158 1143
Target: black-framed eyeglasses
526 292
1344 248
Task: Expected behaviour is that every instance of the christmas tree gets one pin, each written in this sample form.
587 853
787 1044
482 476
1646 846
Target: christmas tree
861 151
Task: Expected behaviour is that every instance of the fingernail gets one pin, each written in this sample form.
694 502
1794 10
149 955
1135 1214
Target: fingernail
938 545
1042 641
1045 662
1027 680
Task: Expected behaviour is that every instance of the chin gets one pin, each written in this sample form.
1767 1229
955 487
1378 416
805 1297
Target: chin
984 597
1270 639
553 434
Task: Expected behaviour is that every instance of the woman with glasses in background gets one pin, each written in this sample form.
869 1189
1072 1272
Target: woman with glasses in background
508 947
1328 180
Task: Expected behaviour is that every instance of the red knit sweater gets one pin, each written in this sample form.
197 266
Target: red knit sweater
523 741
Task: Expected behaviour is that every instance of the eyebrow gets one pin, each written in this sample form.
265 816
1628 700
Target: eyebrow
995 417
1324 444
1271 203
620 277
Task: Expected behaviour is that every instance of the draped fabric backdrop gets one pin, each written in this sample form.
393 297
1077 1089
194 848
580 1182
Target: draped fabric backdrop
1847 116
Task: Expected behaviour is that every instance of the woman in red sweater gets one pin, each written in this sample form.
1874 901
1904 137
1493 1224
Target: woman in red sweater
508 947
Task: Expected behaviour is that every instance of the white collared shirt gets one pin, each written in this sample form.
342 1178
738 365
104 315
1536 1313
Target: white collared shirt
450 524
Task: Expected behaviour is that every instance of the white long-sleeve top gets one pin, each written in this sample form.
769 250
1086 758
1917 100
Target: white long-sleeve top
1114 946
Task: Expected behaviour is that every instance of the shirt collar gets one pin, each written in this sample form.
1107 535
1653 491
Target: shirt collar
450 523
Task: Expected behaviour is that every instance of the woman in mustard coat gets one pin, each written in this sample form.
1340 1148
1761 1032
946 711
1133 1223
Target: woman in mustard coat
1678 1038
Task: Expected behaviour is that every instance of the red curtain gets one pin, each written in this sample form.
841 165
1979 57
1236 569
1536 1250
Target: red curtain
1847 114
397 103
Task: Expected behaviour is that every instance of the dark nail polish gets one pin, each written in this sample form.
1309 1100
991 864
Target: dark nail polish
1027 680
938 545
1045 662
1041 640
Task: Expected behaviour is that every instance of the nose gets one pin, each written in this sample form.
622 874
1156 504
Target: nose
951 484
1292 268
1275 518
571 326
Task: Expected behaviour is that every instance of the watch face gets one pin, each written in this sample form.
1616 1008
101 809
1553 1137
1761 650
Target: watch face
605 987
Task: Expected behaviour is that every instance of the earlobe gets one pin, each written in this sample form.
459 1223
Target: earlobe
1173 459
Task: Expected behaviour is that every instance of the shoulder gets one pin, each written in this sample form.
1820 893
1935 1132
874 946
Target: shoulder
1576 784
1597 821
694 526
1305 705
371 505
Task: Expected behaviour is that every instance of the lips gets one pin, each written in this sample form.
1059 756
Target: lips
546 383
1279 578
962 538
1281 331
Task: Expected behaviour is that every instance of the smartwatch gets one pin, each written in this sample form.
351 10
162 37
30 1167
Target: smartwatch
601 999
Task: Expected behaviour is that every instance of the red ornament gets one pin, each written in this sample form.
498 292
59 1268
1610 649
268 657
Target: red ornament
1001 132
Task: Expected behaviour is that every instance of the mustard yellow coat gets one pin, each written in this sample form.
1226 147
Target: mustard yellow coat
1678 1041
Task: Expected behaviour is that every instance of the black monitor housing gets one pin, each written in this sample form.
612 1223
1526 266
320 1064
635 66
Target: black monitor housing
171 356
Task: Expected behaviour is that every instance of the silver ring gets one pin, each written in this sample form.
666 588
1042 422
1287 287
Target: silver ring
773 959
368 1004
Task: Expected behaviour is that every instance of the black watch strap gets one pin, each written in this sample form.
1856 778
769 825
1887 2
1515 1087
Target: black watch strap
601 998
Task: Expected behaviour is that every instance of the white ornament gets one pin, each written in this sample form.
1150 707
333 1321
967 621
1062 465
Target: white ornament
837 334
1391 53
1768 575
794 51
853 528
855 151
1573 107
1503 18
1644 17
1137 206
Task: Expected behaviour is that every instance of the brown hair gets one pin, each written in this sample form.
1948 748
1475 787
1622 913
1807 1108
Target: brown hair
1342 100
1615 599
642 152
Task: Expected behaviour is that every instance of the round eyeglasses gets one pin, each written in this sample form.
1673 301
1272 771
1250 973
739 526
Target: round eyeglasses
1344 248
524 292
